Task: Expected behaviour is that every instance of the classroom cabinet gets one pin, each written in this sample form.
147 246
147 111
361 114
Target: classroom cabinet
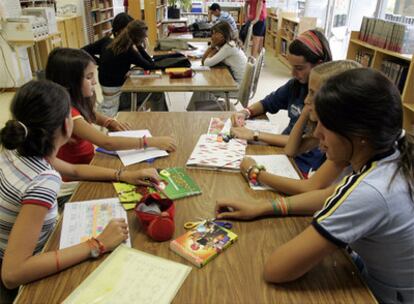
71 30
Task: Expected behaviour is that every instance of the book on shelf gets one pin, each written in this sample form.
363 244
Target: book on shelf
203 243
364 58
211 153
396 72
390 35
175 184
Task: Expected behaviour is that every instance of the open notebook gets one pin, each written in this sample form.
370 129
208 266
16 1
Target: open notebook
131 276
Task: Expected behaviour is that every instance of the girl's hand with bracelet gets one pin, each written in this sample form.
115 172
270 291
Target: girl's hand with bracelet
238 118
245 164
242 133
239 209
162 142
115 232
145 177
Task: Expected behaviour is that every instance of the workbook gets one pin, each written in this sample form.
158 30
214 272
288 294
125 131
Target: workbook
129 157
175 184
203 243
131 276
83 220
277 164
223 126
212 153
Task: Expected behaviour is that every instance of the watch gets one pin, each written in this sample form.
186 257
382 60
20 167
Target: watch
256 134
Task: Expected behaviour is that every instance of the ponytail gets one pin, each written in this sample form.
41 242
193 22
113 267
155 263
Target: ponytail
406 161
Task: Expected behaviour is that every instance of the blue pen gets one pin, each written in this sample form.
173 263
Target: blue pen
102 150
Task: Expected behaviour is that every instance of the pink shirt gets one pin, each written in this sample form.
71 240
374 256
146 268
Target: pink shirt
252 10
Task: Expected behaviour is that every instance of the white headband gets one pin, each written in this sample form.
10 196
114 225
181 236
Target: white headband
26 131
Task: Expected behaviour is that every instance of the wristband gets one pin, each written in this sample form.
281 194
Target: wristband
101 246
145 142
253 173
248 112
281 206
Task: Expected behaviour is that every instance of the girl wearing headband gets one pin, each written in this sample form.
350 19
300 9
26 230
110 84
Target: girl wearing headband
30 179
305 52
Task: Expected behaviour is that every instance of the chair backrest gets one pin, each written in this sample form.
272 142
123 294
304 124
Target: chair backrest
246 84
247 46
258 69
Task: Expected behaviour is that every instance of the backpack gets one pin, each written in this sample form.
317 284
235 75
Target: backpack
176 60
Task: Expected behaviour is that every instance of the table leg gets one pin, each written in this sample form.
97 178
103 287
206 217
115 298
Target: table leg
133 101
227 98
142 107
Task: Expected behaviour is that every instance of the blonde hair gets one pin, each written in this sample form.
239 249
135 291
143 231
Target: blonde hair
332 68
134 33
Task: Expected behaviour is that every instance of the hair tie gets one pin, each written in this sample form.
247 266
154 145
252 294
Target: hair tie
26 131
402 135
312 41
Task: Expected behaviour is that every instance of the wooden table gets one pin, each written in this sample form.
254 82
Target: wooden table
217 79
188 37
235 276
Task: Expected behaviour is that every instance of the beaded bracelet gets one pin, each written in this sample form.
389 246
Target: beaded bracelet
253 173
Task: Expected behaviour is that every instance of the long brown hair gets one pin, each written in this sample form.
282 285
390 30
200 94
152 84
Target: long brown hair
224 28
134 33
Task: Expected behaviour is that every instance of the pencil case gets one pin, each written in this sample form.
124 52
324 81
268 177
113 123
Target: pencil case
158 223
179 72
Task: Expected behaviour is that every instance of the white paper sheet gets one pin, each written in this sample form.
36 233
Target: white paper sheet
277 164
129 157
261 125
82 220
131 276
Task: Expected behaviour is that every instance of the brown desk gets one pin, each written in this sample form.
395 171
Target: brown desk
234 276
217 79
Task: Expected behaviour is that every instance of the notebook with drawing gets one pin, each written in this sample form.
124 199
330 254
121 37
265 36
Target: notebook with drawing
83 220
131 276
278 164
211 154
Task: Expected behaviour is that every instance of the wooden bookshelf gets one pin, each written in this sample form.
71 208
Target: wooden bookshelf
154 13
379 56
272 27
290 27
99 15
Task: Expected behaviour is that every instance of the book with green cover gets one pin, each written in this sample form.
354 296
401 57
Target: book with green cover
175 184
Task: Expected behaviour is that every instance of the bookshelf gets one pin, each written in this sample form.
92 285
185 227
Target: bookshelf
394 65
289 28
99 14
154 13
272 27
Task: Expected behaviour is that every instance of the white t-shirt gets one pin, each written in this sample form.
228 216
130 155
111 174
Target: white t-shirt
233 57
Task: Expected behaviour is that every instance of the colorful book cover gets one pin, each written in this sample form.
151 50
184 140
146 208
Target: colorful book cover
203 243
175 184
210 153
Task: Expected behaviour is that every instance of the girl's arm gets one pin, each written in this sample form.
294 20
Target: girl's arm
111 123
20 266
238 118
272 139
296 257
301 204
296 143
220 56
258 11
208 53
323 177
95 173
84 130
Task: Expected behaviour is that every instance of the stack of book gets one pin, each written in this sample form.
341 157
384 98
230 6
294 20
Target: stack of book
393 36
364 58
396 71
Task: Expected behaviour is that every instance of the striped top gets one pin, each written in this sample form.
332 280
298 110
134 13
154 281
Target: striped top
26 180
227 17
373 214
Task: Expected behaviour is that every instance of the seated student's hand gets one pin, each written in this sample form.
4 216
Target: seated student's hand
162 142
115 125
242 133
237 119
246 163
236 209
145 177
114 234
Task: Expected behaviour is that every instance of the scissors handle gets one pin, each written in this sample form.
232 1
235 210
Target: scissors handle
190 225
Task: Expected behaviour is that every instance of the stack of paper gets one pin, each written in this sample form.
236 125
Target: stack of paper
131 276
83 220
129 157
209 153
277 164
218 125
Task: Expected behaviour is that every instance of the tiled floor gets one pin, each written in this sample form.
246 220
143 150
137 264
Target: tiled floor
273 75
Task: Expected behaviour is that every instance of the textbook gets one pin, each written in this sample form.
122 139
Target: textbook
212 154
144 74
203 243
131 276
175 184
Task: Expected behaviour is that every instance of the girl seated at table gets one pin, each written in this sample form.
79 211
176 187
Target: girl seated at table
128 48
30 181
308 50
301 140
79 79
224 49
359 120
